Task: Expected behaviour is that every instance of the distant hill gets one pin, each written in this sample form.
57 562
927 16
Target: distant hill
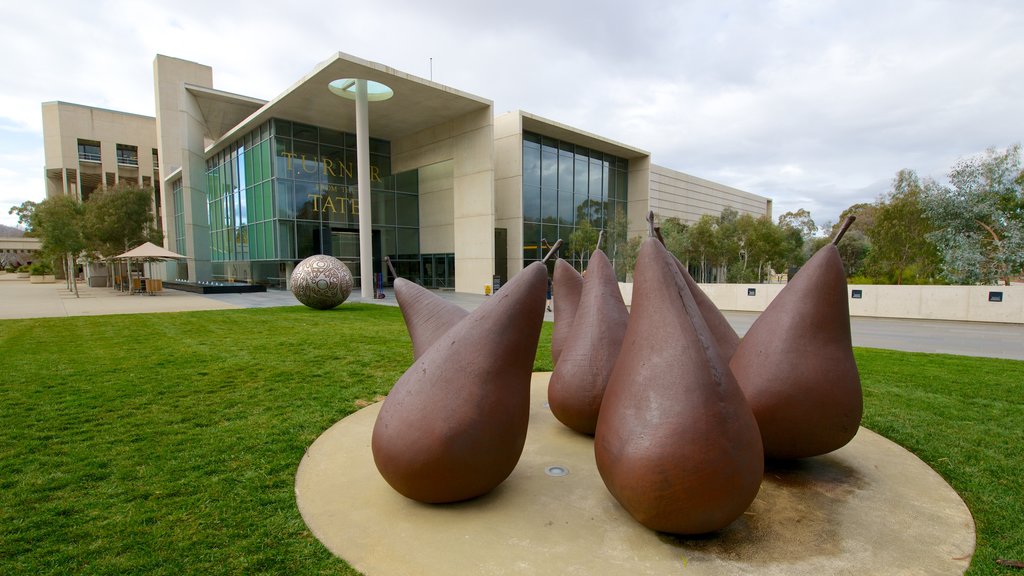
9 231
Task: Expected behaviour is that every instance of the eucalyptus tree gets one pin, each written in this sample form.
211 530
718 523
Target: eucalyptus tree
58 223
901 230
979 218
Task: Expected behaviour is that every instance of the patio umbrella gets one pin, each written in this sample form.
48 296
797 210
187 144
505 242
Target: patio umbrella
146 251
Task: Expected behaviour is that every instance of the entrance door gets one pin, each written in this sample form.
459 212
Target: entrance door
345 247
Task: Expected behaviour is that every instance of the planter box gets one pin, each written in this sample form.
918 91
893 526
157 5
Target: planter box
22 274
43 279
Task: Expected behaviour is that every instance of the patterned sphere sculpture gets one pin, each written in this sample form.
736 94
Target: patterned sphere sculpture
321 282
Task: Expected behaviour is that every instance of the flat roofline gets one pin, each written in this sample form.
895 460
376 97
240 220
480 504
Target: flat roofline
547 127
417 104
60 103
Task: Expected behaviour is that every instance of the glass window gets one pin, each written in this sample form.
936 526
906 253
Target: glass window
304 132
389 242
531 203
565 162
531 240
283 154
380 171
408 210
549 169
408 242
566 208
531 165
307 201
383 211
408 181
548 205
582 179
282 128
307 239
286 238
304 163
549 232
334 167
283 194
596 180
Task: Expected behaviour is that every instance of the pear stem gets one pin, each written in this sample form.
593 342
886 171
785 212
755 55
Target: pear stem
842 230
558 244
657 232
387 260
650 222
600 236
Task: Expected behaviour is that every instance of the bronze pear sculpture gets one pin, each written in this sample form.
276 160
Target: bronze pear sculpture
454 425
676 442
725 335
427 316
566 287
796 365
578 381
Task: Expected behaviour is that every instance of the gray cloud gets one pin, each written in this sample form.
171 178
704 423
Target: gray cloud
815 104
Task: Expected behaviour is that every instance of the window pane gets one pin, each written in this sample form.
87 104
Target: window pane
548 205
408 209
408 243
531 203
549 169
566 208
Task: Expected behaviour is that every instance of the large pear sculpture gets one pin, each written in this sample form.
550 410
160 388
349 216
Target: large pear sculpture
676 443
427 315
581 374
566 289
454 425
796 366
723 332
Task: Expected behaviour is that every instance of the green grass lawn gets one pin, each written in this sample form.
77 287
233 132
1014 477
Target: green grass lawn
168 443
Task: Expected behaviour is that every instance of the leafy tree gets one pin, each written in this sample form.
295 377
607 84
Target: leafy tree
799 220
677 239
120 218
57 221
979 218
625 257
704 237
582 242
899 236
24 212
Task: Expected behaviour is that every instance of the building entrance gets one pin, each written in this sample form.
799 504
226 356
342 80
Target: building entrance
345 247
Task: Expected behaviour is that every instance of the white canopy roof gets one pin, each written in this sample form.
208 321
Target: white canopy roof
150 250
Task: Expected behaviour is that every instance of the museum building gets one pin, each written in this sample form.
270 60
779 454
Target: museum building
459 198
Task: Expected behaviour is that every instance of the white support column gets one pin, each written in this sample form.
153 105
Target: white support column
363 171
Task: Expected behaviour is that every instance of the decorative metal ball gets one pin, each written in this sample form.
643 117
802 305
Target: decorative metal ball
321 282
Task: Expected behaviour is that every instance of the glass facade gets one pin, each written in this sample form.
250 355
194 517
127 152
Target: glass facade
179 217
286 191
565 185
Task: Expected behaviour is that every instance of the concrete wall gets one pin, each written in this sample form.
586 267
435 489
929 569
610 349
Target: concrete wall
508 184
963 303
680 195
64 124
181 131
437 203
463 148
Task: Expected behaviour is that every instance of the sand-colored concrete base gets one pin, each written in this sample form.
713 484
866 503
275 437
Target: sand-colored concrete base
869 508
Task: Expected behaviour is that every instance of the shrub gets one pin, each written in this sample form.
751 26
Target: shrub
40 268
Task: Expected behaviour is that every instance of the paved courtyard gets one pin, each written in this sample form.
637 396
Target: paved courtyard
21 299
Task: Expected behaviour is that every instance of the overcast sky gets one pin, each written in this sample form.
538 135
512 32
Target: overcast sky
813 103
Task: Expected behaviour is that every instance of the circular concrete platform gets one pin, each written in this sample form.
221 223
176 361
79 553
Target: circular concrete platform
869 508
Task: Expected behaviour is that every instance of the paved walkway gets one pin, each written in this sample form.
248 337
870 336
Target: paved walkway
21 299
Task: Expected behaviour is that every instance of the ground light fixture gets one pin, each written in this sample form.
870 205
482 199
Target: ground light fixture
363 92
